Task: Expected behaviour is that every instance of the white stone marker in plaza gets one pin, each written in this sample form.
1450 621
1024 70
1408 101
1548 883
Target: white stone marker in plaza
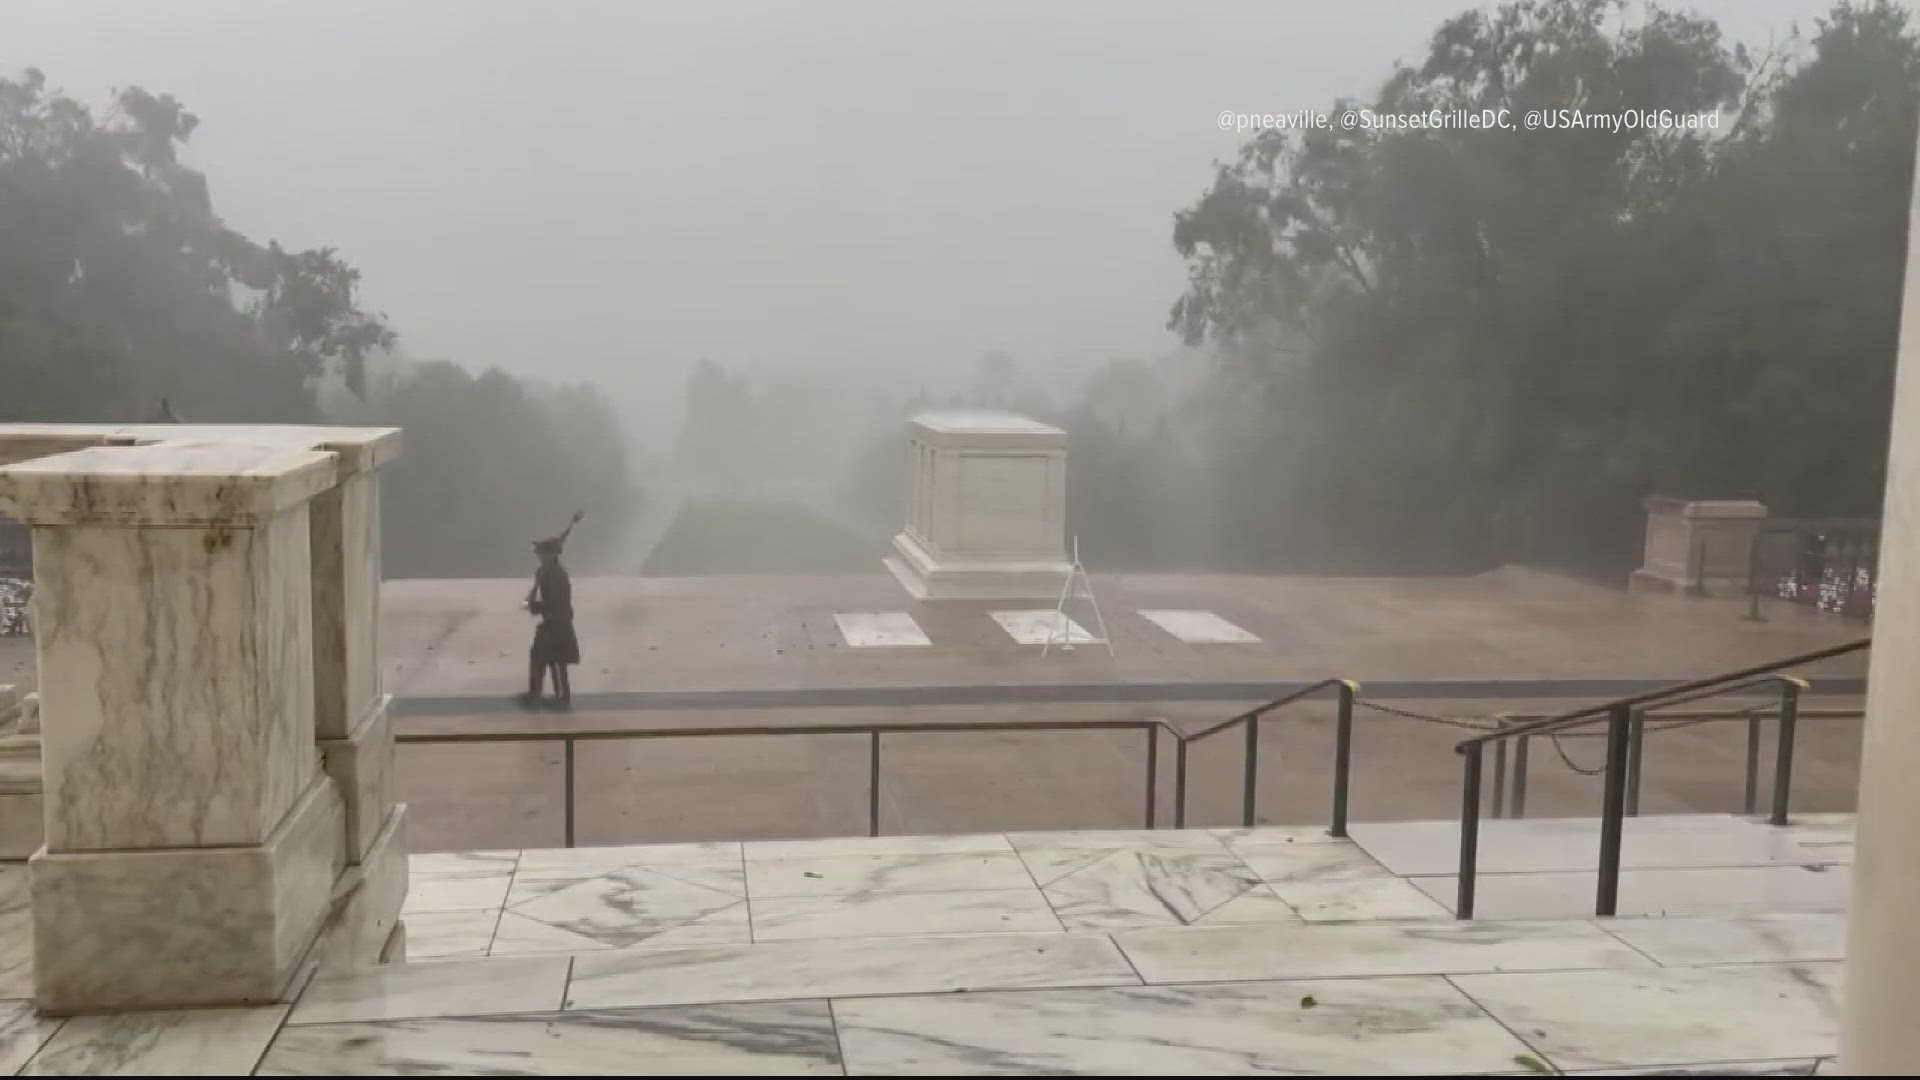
986 518
214 744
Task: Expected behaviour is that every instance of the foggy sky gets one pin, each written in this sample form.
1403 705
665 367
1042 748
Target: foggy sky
611 190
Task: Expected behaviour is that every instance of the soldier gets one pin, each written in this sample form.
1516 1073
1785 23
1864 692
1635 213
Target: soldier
555 646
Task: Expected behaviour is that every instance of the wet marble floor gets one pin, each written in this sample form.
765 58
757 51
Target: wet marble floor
1162 952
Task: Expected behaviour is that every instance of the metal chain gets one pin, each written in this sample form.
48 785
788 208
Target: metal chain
1495 724
1554 738
1488 724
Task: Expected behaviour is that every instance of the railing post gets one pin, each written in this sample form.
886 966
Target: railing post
568 810
1636 738
1518 798
1153 771
1179 781
1252 771
1342 757
1469 832
873 787
1750 801
1783 751
1499 777
1613 812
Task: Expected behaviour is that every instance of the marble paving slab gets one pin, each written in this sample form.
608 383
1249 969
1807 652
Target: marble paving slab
22 1032
1235 953
588 861
1736 939
518 935
455 894
1343 861
191 1042
1535 845
443 934
795 969
984 911
872 875
1780 1067
789 1038
880 630
1358 899
462 864
875 845
438 988
1200 627
1143 840
1120 889
726 876
1354 1027
627 907
1263 835
1038 627
1666 1016
1711 890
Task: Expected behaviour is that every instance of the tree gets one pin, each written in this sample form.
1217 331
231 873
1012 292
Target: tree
119 285
1499 341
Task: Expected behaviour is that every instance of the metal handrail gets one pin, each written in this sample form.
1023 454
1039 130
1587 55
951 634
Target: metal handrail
1249 783
1514 802
1620 723
1577 716
570 736
1153 726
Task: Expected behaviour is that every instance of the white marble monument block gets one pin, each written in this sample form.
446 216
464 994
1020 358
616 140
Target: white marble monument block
1698 546
362 765
365 920
185 926
173 630
346 582
987 514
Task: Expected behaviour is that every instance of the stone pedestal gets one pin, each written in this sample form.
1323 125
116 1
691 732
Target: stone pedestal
22 827
987 514
1698 546
188 821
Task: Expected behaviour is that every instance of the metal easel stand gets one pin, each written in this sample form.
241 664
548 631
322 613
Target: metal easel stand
1062 630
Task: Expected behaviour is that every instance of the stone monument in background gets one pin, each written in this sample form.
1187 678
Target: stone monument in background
986 518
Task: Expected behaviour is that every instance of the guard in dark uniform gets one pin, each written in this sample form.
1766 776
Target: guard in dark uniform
555 646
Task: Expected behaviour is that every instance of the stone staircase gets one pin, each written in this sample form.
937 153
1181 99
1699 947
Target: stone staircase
1178 952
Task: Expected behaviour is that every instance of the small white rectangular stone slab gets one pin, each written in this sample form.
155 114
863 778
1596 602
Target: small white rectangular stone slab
880 630
1200 628
1037 627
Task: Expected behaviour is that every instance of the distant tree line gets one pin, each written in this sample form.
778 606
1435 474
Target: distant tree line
121 287
1488 345
1442 350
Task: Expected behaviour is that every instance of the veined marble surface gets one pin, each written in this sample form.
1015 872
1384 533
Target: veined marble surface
1617 1019
345 531
179 664
1353 1027
906 965
911 993
179 483
789 1038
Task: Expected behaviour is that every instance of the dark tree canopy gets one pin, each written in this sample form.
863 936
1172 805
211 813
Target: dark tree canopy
1500 341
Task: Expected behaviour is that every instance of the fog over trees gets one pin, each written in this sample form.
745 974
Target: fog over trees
120 288
1405 350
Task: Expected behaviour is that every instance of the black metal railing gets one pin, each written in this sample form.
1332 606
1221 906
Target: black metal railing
1153 728
1509 799
1619 716
1342 753
1831 564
